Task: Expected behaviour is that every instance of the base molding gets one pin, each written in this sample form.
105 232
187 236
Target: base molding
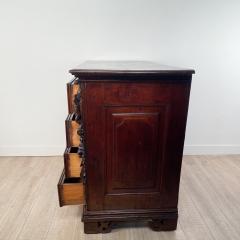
102 221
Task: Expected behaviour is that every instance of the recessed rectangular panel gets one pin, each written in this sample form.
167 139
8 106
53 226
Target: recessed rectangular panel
135 140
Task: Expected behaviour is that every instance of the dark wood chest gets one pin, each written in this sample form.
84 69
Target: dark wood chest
125 136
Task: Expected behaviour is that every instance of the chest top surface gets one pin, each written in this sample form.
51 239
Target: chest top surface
126 69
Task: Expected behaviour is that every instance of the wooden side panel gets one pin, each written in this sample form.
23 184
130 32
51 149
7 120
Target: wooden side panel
134 159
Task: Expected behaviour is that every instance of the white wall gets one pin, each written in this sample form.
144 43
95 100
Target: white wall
41 40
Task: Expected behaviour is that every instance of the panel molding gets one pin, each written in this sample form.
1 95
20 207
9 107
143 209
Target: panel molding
158 113
128 118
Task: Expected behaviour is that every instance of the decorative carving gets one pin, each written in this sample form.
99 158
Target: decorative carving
97 227
163 224
81 151
80 132
77 100
78 118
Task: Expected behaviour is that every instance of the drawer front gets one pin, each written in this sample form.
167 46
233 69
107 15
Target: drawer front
72 162
70 191
72 130
73 89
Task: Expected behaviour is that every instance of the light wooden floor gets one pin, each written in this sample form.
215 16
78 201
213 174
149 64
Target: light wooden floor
209 203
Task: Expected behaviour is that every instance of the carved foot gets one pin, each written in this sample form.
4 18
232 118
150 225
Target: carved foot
97 227
163 224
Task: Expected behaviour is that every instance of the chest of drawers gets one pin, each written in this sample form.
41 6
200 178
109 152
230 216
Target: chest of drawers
125 135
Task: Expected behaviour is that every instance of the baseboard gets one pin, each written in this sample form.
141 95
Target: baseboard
58 150
25 150
211 149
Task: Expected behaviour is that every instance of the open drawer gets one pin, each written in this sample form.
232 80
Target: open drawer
73 88
70 191
72 127
73 161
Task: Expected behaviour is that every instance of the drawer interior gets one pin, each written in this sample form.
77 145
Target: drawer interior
72 127
72 162
70 191
72 89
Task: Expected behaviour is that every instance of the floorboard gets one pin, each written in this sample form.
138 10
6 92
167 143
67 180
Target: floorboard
209 202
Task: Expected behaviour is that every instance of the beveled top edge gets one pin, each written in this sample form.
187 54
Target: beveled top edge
126 68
